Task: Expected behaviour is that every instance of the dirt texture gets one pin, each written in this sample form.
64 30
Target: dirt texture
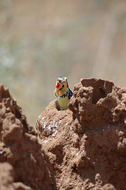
81 148
86 144
23 164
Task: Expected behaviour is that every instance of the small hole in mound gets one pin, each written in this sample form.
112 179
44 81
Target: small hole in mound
98 94
74 168
100 88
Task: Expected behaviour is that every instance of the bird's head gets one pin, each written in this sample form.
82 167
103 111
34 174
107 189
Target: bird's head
61 85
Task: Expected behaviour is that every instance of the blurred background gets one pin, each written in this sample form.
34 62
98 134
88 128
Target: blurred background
42 39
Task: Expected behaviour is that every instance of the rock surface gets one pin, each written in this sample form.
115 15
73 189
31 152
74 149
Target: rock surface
82 148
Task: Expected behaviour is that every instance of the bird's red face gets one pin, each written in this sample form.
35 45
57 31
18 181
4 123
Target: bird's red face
57 84
61 86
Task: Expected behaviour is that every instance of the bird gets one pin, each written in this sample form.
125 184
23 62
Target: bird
62 92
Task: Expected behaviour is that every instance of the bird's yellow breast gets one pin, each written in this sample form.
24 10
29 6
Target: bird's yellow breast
63 102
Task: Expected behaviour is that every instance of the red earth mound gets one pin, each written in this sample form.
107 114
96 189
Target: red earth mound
86 144
23 164
81 148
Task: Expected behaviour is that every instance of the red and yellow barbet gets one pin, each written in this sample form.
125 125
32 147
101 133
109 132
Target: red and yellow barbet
62 92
